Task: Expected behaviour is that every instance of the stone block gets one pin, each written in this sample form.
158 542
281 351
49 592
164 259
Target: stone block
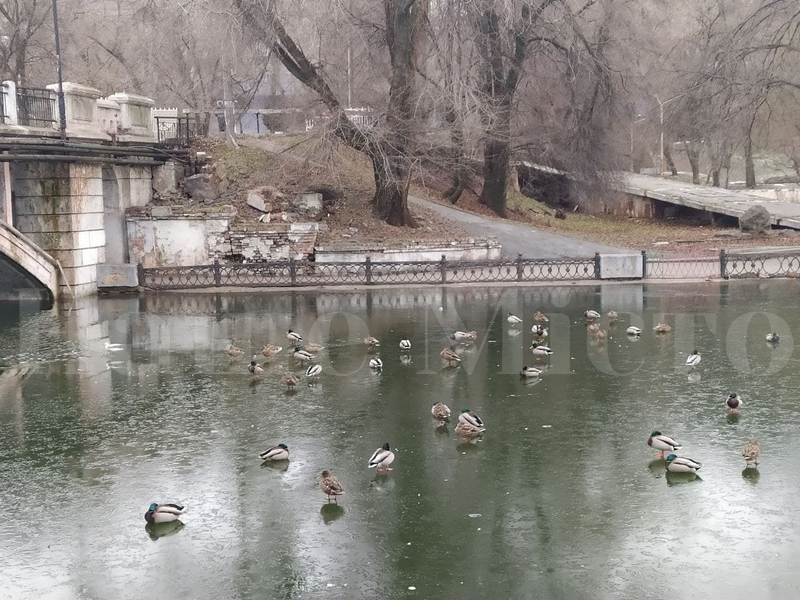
38 205
59 223
140 192
167 177
161 211
123 276
621 266
81 275
304 227
201 188
755 219
309 203
265 198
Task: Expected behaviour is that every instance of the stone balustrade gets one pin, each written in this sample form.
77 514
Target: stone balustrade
119 117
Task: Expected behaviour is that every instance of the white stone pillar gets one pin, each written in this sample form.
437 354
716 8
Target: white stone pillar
10 103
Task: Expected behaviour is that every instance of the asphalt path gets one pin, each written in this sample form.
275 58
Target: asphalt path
517 238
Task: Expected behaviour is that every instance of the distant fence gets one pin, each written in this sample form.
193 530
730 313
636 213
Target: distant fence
175 130
308 273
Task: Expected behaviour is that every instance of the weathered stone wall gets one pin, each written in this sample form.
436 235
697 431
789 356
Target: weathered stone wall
59 206
173 241
281 242
162 240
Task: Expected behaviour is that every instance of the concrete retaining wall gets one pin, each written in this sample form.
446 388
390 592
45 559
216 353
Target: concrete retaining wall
480 250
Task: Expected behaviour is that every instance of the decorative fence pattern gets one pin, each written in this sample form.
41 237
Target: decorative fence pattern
36 107
745 265
682 268
292 273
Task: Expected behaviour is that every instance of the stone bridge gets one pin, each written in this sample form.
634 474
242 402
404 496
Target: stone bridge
63 200
26 271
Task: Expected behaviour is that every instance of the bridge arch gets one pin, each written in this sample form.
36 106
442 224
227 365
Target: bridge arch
26 271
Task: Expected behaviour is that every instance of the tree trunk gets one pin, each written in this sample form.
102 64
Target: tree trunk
391 190
693 154
670 161
749 166
796 165
496 159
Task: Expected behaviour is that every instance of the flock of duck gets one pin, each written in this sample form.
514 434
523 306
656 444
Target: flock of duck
469 426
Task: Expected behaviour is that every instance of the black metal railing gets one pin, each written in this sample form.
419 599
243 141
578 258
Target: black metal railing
292 273
35 107
300 273
744 265
682 268
176 131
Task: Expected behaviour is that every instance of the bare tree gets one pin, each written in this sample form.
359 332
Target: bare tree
390 147
22 22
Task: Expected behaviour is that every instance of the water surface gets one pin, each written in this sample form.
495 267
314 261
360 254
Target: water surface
561 499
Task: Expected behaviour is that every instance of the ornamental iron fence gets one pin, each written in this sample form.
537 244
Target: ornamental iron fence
299 273
309 273
744 265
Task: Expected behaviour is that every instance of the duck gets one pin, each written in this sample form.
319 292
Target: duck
163 513
540 317
541 350
662 328
733 402
464 336
539 330
751 452
276 453
773 338
467 416
530 372
469 424
633 331
513 319
313 348
376 363
233 351
293 336
681 464
440 411
405 345
302 354
271 350
693 359
593 328
591 315
381 459
372 342
290 381
330 486
450 356
313 371
612 316
662 443
255 368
